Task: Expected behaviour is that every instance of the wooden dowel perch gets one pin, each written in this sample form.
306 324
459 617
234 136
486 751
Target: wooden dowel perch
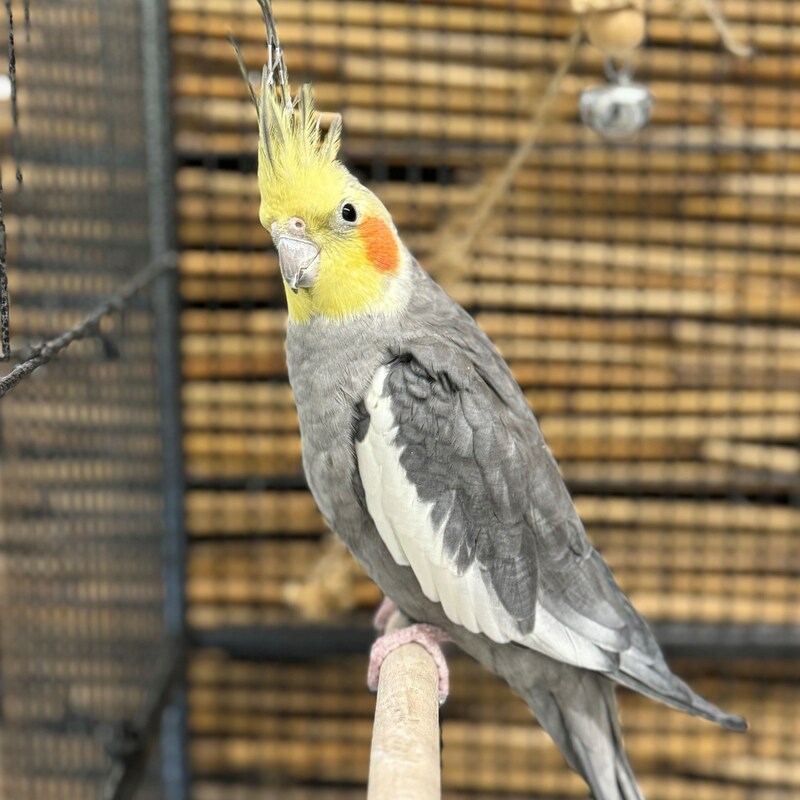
404 760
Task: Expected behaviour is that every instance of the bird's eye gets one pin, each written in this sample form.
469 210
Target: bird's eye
349 213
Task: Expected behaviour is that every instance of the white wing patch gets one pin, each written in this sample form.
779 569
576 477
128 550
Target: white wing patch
405 524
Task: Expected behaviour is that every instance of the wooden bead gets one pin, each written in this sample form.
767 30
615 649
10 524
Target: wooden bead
617 32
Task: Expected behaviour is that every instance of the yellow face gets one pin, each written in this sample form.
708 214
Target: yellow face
338 249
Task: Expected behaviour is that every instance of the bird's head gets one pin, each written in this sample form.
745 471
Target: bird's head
339 252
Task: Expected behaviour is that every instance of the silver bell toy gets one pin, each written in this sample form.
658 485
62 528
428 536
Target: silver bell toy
619 109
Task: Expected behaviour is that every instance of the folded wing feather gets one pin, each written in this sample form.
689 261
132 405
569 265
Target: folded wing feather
447 482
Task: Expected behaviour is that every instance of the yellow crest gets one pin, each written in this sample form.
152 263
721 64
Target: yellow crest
300 179
294 158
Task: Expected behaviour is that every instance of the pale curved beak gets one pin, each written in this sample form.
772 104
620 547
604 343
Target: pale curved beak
299 261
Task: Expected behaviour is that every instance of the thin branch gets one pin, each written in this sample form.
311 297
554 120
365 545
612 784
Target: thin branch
87 327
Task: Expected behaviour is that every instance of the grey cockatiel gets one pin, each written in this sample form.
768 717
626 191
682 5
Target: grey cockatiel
423 455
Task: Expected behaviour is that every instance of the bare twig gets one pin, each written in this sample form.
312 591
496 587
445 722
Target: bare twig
87 327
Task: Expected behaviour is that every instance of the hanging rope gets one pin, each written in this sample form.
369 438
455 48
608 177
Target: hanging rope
452 254
89 325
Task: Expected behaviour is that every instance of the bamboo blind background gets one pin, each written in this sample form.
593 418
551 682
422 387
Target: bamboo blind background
646 296
263 731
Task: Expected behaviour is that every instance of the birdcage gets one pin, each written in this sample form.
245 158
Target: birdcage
176 620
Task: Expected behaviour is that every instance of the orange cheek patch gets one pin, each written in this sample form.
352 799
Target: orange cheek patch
381 244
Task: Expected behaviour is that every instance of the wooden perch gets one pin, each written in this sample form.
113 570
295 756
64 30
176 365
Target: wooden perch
404 759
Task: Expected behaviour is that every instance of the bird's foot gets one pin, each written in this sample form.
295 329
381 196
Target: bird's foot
427 636
386 610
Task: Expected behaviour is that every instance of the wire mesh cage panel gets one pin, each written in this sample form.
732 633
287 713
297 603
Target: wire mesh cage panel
646 296
84 656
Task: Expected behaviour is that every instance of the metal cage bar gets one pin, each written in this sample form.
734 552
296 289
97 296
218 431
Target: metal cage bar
156 77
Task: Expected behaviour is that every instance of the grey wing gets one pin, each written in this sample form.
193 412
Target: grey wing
463 489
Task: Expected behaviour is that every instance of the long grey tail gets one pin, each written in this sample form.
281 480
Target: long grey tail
642 668
576 707
581 717
654 679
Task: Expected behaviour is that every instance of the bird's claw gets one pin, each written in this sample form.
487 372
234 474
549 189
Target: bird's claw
427 636
386 610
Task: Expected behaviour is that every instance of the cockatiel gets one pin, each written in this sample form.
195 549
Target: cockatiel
424 457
